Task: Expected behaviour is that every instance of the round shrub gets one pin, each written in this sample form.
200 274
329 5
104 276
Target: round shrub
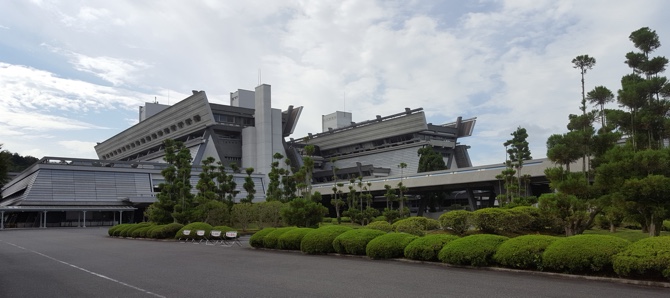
475 250
536 221
320 241
649 257
194 226
383 226
410 227
271 240
113 230
256 240
423 222
387 246
167 231
223 229
583 253
141 232
490 220
426 248
122 228
329 219
380 218
354 241
128 232
517 220
292 238
523 252
458 221
345 219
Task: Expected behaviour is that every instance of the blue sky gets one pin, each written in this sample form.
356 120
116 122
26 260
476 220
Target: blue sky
73 73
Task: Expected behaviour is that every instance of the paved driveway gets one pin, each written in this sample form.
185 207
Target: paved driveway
84 262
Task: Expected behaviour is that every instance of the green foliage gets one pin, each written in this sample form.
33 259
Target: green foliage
141 232
256 240
113 230
383 226
391 215
666 225
269 213
167 231
649 258
194 227
457 221
345 219
490 220
387 246
303 213
243 214
380 218
328 219
355 241
415 225
320 241
223 229
426 248
292 238
175 198
533 220
524 252
271 240
583 253
474 250
128 232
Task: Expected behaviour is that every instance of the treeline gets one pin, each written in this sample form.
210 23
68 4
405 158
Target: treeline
13 162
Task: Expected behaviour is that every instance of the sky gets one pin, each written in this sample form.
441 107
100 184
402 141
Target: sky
73 73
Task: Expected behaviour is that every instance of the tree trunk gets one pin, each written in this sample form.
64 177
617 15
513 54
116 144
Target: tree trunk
612 228
337 212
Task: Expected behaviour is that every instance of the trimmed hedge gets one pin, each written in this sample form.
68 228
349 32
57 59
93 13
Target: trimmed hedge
383 226
194 226
223 229
114 231
271 240
583 253
292 238
167 231
475 250
490 220
391 245
524 252
256 240
141 232
458 221
121 231
320 241
355 241
426 248
649 257
128 232
534 220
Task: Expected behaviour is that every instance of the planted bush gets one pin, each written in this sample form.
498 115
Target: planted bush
383 226
113 230
518 219
409 227
426 248
256 240
122 229
583 253
355 241
194 226
167 231
271 240
523 252
291 239
536 222
320 241
649 257
223 229
141 232
490 220
458 221
390 245
474 250
128 232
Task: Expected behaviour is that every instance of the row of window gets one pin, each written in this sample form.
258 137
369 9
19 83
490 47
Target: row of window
153 136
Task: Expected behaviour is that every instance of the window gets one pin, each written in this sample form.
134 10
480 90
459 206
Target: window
196 118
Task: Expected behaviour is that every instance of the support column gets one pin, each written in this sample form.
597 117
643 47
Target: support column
84 218
45 219
471 199
2 220
78 220
120 217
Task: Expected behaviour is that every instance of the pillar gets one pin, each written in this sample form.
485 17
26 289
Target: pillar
84 218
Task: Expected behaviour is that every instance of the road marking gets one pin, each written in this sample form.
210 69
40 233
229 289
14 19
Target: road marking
87 271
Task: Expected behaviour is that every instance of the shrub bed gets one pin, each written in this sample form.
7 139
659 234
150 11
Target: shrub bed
194 226
141 232
167 231
320 241
536 221
649 257
271 240
290 240
122 230
475 250
490 220
354 241
128 231
383 226
524 252
583 253
113 231
458 221
256 240
391 245
426 248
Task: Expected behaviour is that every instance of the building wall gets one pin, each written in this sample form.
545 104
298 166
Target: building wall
335 120
388 159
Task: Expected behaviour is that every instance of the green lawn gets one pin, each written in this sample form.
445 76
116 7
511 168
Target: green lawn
628 234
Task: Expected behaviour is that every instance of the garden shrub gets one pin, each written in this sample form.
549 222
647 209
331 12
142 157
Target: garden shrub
518 219
122 229
387 246
345 219
380 225
194 226
167 231
271 240
320 241
583 253
413 227
490 220
536 222
458 221
128 232
256 240
113 230
223 229
355 241
666 226
426 248
292 238
380 218
141 232
475 250
649 257
152 230
524 252
329 219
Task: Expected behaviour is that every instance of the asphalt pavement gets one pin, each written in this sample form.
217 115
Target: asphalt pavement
85 262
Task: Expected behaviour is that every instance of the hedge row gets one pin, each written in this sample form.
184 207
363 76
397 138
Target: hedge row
494 220
144 230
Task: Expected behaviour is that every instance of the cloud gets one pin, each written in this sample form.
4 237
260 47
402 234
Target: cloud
77 148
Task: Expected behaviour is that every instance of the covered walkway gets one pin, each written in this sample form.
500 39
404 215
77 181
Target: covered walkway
42 212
